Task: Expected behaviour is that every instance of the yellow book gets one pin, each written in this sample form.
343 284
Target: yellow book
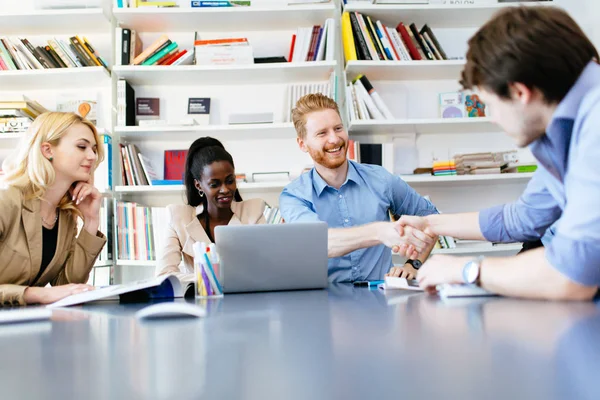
92 56
347 38
156 3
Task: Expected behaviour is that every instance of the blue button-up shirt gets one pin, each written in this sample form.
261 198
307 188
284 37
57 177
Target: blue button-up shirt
367 196
565 190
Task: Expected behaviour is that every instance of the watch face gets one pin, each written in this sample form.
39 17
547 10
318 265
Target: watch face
470 272
416 264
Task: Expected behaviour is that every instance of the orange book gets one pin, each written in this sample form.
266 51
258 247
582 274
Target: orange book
166 56
175 58
231 41
148 52
165 60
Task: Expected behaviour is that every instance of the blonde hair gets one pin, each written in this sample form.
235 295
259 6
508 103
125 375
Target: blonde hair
308 104
28 169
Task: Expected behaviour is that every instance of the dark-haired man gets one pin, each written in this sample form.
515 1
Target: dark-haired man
539 74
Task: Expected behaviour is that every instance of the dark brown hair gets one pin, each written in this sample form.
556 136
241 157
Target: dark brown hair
540 47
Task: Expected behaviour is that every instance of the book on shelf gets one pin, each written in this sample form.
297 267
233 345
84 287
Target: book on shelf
22 107
145 4
161 287
272 215
520 168
313 43
147 108
223 51
364 38
21 54
220 3
296 90
84 107
174 164
199 107
103 174
135 172
363 102
139 231
125 104
14 125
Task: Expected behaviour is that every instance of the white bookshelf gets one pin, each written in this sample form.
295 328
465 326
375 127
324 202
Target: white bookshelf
484 178
223 19
435 15
137 263
54 79
168 189
480 248
221 132
225 75
422 126
102 264
405 70
9 138
54 22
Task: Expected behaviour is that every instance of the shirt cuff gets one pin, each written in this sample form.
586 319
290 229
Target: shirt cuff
578 260
92 244
491 224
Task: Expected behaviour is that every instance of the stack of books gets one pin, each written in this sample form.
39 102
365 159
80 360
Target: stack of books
365 39
272 215
444 168
297 90
483 163
20 54
17 115
163 51
223 51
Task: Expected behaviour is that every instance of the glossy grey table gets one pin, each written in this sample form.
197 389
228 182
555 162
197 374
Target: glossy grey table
343 343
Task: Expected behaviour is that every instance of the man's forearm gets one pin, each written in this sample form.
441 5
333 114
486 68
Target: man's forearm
342 241
529 275
460 226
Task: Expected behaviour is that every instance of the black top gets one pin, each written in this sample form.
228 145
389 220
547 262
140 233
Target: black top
49 239
206 225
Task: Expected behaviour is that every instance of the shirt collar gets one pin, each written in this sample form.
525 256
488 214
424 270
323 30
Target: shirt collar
319 183
588 80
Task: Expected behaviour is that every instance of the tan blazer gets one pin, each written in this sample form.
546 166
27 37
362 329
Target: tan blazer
21 248
184 229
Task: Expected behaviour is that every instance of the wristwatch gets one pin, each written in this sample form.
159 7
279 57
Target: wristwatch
416 264
471 270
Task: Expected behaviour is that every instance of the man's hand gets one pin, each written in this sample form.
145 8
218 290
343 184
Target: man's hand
407 271
410 226
47 295
407 241
441 269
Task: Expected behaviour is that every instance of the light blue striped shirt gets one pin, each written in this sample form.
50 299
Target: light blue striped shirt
565 190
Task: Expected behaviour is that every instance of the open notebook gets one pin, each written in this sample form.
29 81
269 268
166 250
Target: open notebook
156 288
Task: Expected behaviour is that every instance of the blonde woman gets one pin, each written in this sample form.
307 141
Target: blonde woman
47 185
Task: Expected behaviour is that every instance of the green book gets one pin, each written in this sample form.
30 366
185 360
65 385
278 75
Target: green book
160 54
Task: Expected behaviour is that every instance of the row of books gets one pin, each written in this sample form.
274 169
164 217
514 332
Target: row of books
223 51
16 115
296 90
136 169
273 215
163 51
483 163
363 102
144 3
139 231
364 39
20 54
316 43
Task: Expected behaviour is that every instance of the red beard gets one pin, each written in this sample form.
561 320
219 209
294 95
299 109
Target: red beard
323 158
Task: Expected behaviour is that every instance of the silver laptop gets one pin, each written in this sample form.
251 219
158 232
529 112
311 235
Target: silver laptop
257 258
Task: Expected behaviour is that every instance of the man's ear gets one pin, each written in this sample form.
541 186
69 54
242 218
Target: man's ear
301 144
521 93
46 150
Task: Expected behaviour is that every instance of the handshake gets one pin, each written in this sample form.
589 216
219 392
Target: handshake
409 236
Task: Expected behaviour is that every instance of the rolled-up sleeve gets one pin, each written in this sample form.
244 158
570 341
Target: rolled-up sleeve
296 209
575 249
524 220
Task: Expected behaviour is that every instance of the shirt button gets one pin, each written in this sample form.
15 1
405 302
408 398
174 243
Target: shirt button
341 196
346 220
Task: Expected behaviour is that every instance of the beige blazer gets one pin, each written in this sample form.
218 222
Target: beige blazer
184 229
21 248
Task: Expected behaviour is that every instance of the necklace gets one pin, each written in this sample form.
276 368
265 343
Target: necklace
53 222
